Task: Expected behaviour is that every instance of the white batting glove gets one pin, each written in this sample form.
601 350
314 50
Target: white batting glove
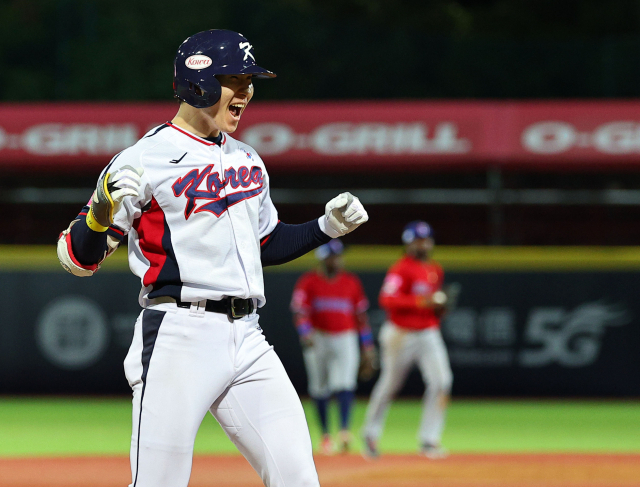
343 214
111 190
124 182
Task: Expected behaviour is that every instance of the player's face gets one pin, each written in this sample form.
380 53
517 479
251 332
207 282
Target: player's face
237 91
420 248
333 264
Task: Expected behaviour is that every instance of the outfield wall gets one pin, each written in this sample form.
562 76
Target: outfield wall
529 322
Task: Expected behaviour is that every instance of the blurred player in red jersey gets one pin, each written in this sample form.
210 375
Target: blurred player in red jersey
329 307
413 299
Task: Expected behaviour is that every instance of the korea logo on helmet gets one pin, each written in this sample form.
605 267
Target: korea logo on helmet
198 61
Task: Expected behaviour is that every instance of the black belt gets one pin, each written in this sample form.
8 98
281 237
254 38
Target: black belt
234 308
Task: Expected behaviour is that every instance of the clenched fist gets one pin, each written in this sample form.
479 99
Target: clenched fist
343 214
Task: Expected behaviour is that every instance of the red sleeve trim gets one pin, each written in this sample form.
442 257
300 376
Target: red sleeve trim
91 268
116 230
265 239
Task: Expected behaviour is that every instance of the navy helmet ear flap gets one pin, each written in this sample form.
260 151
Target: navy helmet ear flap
195 95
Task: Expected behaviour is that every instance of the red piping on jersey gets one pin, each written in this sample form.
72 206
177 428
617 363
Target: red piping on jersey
265 239
150 228
91 268
196 138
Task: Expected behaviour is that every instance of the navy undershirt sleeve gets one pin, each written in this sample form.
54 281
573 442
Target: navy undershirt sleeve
284 244
88 246
288 242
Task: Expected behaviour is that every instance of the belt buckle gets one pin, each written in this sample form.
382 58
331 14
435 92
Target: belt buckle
232 310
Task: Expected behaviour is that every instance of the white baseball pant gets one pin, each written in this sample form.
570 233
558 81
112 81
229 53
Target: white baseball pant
400 351
183 363
332 363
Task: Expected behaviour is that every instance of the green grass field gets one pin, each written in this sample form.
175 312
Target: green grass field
96 426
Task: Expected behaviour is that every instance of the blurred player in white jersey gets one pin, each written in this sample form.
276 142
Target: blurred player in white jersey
329 307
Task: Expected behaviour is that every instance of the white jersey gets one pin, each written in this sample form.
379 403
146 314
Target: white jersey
194 232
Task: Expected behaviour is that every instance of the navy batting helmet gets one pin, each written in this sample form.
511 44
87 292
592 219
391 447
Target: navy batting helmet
204 55
416 229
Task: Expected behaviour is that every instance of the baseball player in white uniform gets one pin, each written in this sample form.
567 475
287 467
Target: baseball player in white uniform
414 301
194 204
329 307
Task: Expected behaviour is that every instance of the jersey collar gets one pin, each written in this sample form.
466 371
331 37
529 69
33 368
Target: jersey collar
219 141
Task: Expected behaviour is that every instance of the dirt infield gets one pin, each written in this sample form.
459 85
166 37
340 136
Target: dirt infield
563 470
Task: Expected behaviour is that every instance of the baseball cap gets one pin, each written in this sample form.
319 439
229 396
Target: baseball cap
333 247
416 229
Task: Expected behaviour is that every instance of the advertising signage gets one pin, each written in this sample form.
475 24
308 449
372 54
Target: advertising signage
315 136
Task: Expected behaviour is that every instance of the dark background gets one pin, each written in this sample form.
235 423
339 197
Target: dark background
328 49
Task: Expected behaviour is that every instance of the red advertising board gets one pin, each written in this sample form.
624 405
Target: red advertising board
317 135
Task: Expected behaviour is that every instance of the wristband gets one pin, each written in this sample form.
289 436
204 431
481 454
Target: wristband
92 223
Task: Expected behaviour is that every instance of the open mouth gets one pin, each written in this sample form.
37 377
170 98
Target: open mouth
236 109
